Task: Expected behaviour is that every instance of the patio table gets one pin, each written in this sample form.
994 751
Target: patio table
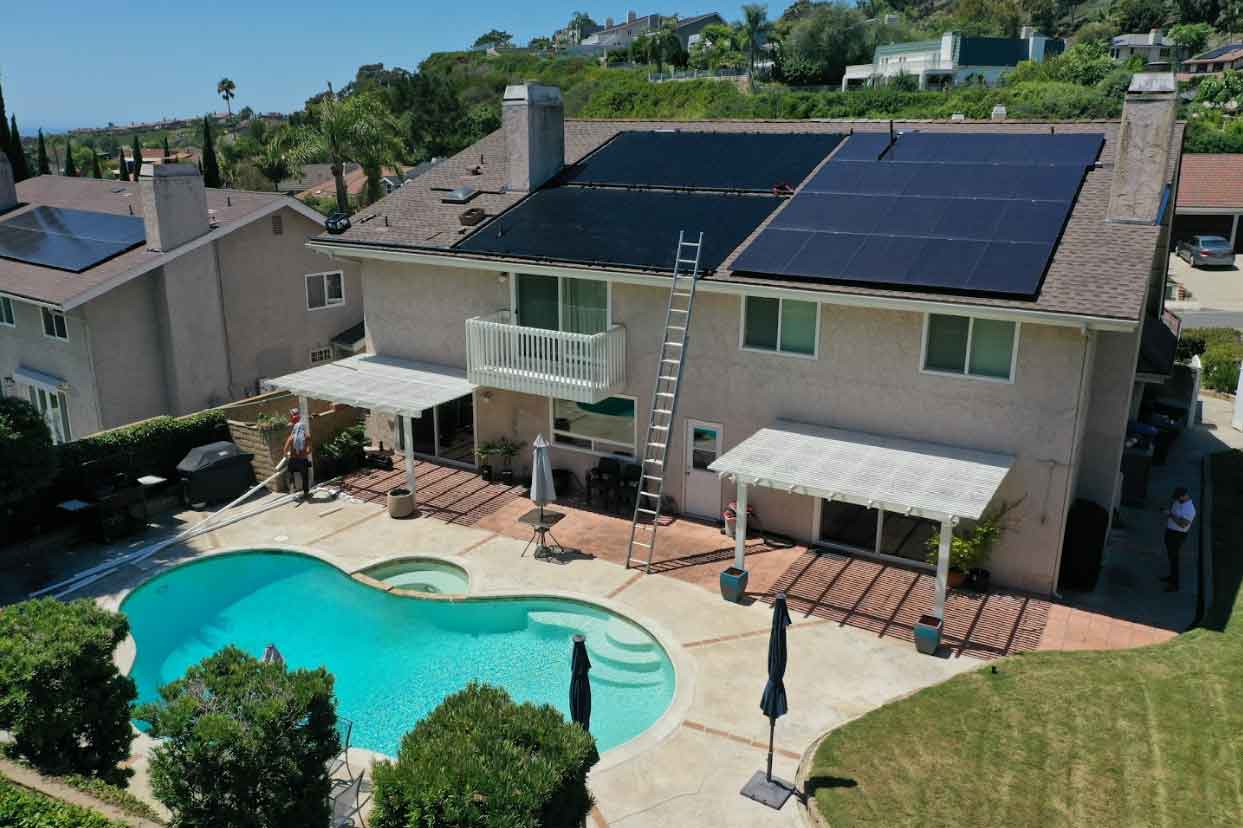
541 522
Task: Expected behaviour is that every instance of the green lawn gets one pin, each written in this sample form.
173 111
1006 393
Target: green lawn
1150 736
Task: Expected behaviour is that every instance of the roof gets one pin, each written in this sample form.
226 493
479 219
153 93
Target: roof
380 383
1099 269
351 335
893 473
1222 54
1141 39
691 21
312 176
231 209
1211 180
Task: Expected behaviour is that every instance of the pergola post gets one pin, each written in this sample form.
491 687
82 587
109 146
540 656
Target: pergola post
740 526
304 414
943 567
408 426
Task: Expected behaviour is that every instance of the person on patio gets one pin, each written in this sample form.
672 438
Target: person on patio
1179 517
298 452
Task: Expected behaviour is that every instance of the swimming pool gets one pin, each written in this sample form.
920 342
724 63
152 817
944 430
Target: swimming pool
394 658
422 575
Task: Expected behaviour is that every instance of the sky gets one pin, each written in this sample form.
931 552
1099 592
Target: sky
73 63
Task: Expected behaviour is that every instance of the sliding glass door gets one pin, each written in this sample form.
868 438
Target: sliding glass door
446 432
562 303
876 533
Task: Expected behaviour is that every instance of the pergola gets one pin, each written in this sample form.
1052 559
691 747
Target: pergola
381 384
911 477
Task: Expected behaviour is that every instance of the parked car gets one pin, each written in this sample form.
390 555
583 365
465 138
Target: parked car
1199 251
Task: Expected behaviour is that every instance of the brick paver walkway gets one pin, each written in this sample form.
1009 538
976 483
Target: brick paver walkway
449 494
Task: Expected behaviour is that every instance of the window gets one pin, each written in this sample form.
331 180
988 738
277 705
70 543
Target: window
55 410
606 427
974 347
324 290
785 326
54 324
319 355
561 303
6 312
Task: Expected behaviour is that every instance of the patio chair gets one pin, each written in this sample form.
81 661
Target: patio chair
345 730
604 479
628 485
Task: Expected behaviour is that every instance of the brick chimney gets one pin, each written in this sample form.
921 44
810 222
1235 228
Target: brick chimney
534 122
8 189
174 206
1142 153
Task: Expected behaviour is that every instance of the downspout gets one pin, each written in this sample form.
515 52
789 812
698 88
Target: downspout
224 317
1076 452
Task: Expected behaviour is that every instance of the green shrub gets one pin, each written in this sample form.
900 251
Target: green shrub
1221 370
343 453
1220 350
245 743
21 808
27 456
480 759
61 696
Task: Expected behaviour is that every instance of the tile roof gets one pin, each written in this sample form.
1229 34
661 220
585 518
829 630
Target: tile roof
57 287
1099 268
1211 180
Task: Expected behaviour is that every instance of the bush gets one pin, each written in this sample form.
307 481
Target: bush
244 743
26 809
1220 350
480 759
61 696
343 453
27 456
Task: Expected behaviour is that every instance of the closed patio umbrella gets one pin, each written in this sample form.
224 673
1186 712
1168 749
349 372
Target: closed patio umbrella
543 490
580 684
763 787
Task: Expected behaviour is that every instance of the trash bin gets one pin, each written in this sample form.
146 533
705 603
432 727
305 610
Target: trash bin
215 472
1083 546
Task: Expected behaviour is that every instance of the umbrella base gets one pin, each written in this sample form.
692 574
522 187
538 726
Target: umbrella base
773 794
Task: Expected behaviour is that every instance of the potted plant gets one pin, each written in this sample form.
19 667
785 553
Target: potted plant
734 584
508 450
970 548
485 451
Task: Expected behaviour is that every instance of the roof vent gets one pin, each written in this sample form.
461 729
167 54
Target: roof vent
461 195
958 116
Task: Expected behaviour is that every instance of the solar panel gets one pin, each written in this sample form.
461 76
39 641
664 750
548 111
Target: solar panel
66 239
747 161
629 228
863 146
1077 149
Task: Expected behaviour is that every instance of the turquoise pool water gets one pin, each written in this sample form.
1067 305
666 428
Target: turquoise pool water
394 658
422 575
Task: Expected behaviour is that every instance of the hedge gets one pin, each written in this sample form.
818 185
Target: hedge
26 809
1220 351
481 759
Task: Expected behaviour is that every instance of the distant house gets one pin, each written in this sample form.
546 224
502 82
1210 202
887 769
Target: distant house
1212 63
613 37
355 183
313 175
1210 197
1157 49
152 157
952 59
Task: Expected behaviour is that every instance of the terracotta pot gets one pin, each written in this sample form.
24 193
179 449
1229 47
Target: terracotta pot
956 578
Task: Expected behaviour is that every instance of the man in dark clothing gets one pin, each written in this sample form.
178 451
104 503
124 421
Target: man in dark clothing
1178 522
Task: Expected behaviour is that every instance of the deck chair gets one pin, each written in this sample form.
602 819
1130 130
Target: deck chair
345 730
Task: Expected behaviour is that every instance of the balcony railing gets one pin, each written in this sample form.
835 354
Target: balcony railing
570 366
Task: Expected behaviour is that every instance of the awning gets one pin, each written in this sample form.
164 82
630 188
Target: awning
930 479
48 382
379 383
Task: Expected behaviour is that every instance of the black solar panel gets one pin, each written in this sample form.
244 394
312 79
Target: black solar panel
630 228
1076 149
747 161
65 239
863 146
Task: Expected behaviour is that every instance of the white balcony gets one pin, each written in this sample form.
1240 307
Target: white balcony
570 366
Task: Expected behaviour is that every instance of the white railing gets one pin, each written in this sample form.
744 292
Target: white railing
570 366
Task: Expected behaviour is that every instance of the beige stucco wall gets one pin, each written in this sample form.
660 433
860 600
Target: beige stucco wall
129 357
26 346
1112 388
192 332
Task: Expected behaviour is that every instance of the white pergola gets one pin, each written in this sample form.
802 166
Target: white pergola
379 383
910 477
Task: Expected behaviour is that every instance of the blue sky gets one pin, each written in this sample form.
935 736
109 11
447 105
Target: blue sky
76 63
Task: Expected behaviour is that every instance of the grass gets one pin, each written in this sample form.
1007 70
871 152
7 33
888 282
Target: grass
1150 736
23 808
106 792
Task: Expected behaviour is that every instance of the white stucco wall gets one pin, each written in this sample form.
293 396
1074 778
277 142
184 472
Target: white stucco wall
128 351
25 345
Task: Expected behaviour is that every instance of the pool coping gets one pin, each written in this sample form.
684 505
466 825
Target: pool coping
665 726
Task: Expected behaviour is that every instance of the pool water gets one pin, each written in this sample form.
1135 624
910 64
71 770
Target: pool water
422 575
394 658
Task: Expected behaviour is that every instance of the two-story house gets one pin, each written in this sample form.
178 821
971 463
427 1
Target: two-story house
121 301
895 328
1158 50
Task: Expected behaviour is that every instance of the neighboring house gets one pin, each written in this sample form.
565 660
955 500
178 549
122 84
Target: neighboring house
1156 49
313 175
1210 197
953 59
157 297
816 381
152 157
573 35
355 184
1212 63
619 36
688 28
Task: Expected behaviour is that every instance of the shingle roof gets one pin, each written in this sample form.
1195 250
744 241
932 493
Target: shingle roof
56 287
1211 180
1099 268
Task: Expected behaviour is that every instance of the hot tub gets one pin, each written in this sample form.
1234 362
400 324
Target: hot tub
422 575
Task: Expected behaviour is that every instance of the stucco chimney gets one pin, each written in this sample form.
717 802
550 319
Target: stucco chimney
534 123
174 206
8 190
1027 31
1154 37
1142 154
630 16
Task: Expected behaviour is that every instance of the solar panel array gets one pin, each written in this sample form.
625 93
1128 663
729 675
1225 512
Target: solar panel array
65 239
961 212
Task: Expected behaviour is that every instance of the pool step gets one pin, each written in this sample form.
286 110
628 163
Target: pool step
572 622
616 646
627 636
603 651
603 673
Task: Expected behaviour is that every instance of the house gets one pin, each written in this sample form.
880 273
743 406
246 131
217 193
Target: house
151 157
1212 63
863 367
688 28
613 37
1157 49
121 301
313 176
1210 197
355 183
952 59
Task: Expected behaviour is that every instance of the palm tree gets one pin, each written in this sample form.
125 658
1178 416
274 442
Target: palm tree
226 89
755 26
359 129
275 160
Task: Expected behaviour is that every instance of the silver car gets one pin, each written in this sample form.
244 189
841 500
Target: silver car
1204 251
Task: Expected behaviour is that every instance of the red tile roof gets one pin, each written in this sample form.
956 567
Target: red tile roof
1211 180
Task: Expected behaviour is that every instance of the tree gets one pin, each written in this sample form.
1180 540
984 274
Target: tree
21 167
211 167
168 153
1230 19
136 151
4 127
1197 11
1191 36
275 162
71 169
1140 15
41 160
540 44
358 128
27 458
1042 14
95 171
244 743
226 89
822 43
495 37
755 27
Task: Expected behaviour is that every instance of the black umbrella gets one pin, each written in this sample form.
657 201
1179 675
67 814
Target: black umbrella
580 684
765 789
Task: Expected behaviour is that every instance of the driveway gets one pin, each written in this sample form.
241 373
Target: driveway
1217 289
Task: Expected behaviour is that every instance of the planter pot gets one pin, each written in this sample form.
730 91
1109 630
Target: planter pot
956 578
928 634
485 471
733 584
400 502
507 476
979 579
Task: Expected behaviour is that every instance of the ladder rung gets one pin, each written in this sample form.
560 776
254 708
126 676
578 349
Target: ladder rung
653 460
659 428
688 261
657 445
674 361
641 543
679 293
649 494
677 327
664 393
645 511
674 344
661 411
679 310
670 379
652 477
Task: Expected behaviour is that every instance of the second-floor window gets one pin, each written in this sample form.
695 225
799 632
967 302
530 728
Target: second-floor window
6 312
785 326
561 303
324 290
969 346
54 324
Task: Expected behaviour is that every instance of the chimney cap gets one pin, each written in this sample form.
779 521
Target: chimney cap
173 170
1149 82
532 92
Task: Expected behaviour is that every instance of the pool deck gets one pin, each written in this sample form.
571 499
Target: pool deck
689 767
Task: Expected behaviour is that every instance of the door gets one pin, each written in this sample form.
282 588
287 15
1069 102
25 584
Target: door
702 497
